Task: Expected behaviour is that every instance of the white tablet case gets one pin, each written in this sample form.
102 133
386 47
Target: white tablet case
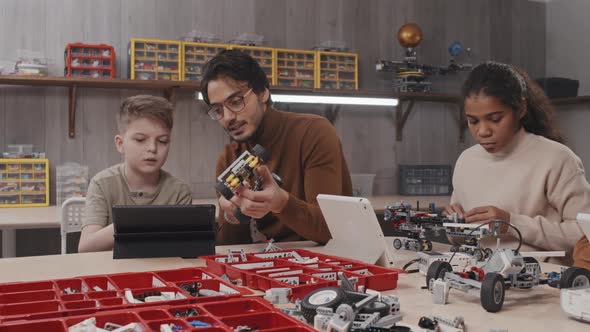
356 233
583 221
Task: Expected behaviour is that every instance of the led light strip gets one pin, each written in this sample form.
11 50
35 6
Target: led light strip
310 99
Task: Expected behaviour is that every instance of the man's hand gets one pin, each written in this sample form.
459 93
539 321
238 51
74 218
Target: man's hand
228 208
257 204
455 208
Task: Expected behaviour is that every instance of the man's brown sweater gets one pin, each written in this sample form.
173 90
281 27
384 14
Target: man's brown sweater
306 153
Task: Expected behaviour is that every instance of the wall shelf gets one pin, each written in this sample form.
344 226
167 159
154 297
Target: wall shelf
169 88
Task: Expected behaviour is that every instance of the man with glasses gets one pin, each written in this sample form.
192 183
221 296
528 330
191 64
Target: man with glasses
305 152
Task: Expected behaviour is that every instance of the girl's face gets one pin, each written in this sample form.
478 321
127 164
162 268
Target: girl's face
491 123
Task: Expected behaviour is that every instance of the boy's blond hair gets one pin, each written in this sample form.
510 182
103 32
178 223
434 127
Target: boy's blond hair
145 106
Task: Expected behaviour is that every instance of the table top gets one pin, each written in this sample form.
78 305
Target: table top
49 217
535 309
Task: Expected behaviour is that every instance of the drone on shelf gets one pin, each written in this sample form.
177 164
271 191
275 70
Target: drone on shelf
412 76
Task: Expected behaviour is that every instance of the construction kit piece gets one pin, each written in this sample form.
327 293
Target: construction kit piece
242 172
505 268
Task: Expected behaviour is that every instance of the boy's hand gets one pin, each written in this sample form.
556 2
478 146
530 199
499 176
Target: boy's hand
488 213
257 204
227 208
455 208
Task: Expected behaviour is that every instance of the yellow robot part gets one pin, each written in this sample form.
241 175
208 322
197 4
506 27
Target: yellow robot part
230 178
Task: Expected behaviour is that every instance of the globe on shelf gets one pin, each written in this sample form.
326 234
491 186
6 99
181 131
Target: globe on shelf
409 35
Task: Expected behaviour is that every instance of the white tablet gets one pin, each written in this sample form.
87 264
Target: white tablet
355 230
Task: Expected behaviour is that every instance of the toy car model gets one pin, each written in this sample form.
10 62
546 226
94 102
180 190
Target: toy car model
342 309
241 173
504 269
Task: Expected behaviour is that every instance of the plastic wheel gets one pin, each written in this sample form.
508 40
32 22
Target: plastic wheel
381 307
397 244
492 292
575 277
330 297
428 246
261 152
478 254
488 252
419 246
224 190
437 270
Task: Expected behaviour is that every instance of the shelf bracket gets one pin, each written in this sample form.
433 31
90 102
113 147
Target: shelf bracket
170 94
72 111
401 116
331 112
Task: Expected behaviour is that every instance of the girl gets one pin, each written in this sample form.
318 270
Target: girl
520 171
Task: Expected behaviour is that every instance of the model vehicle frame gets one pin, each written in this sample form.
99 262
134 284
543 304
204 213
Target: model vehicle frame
504 269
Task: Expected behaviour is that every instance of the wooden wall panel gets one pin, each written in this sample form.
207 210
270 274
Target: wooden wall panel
300 24
239 16
503 30
270 21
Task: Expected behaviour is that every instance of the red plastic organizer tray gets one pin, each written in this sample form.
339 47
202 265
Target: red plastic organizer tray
90 61
91 294
216 316
281 269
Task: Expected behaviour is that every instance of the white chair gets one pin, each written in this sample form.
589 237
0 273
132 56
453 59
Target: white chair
72 213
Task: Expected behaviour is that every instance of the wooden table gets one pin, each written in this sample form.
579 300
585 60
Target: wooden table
535 309
12 219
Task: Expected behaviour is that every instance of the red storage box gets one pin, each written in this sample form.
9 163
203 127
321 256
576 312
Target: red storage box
89 61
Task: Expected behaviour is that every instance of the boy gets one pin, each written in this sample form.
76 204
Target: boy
144 123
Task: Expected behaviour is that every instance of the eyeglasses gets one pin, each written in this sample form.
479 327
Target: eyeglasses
235 104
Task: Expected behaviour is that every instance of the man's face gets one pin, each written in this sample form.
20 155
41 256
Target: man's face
491 123
242 125
144 145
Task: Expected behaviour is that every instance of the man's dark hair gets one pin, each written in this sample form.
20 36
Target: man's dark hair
238 66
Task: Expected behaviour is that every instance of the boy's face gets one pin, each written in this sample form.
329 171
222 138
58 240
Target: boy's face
240 126
144 145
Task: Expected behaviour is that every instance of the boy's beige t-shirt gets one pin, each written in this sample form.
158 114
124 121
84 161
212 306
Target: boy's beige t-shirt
109 188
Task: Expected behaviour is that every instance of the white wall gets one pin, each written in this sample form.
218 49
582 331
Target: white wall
568 47
568 55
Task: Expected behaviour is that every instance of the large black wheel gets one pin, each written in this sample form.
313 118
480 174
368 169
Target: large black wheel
382 308
397 244
437 270
260 152
224 190
575 277
492 292
330 297
488 252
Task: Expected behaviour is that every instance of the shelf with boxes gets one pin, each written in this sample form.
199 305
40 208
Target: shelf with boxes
296 68
337 70
153 59
24 182
71 181
265 57
87 60
195 55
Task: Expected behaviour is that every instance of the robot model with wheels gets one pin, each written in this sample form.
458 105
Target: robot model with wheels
411 76
242 173
472 239
412 225
505 268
